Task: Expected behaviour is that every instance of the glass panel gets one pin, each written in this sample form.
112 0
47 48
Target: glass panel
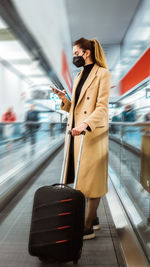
21 142
129 169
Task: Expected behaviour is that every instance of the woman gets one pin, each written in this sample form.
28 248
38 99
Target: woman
88 110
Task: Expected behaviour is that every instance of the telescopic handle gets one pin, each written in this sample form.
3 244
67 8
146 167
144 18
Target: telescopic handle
65 158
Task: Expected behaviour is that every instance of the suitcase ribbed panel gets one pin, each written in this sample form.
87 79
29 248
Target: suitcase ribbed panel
57 223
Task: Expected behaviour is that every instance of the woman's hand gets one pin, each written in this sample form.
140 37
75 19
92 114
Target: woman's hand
79 129
60 95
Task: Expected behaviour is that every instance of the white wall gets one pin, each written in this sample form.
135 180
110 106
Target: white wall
48 23
13 91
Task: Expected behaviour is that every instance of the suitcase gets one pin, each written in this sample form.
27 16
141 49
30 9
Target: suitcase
57 223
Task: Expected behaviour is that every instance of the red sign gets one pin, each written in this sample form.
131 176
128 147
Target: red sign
66 71
139 72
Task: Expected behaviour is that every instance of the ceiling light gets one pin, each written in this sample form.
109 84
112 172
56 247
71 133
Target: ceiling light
35 64
134 52
3 25
145 34
12 50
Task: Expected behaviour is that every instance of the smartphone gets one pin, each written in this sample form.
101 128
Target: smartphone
58 90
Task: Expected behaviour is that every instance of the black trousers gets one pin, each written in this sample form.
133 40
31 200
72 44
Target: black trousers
71 169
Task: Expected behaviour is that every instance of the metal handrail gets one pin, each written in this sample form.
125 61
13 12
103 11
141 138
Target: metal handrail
31 122
130 123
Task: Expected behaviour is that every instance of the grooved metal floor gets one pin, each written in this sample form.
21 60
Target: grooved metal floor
103 251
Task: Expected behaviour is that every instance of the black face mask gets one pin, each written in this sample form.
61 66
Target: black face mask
78 61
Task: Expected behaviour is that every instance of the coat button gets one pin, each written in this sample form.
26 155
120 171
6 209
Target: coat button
85 112
68 124
88 98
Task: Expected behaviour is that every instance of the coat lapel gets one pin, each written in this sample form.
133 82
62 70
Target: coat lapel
87 83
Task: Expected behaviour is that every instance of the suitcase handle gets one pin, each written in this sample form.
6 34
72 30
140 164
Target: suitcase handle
70 132
61 185
65 158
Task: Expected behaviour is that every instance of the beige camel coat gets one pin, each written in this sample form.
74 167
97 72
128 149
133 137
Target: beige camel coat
92 108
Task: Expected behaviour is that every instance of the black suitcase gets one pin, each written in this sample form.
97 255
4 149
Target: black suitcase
57 223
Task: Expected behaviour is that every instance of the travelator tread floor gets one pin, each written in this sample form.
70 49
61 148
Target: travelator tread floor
103 251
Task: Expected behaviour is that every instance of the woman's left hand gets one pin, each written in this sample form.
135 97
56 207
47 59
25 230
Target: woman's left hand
79 129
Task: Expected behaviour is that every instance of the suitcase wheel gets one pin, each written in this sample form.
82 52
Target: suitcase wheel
78 257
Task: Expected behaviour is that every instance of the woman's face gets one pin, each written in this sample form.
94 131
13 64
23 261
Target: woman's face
77 51
78 56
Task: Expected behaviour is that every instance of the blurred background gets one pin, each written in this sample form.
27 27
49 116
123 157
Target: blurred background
36 54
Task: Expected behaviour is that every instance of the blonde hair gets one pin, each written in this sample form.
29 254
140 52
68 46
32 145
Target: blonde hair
97 53
100 58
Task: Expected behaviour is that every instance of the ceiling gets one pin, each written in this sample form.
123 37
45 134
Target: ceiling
121 26
106 20
17 58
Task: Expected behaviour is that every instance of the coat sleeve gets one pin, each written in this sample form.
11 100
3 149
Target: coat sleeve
98 118
66 106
